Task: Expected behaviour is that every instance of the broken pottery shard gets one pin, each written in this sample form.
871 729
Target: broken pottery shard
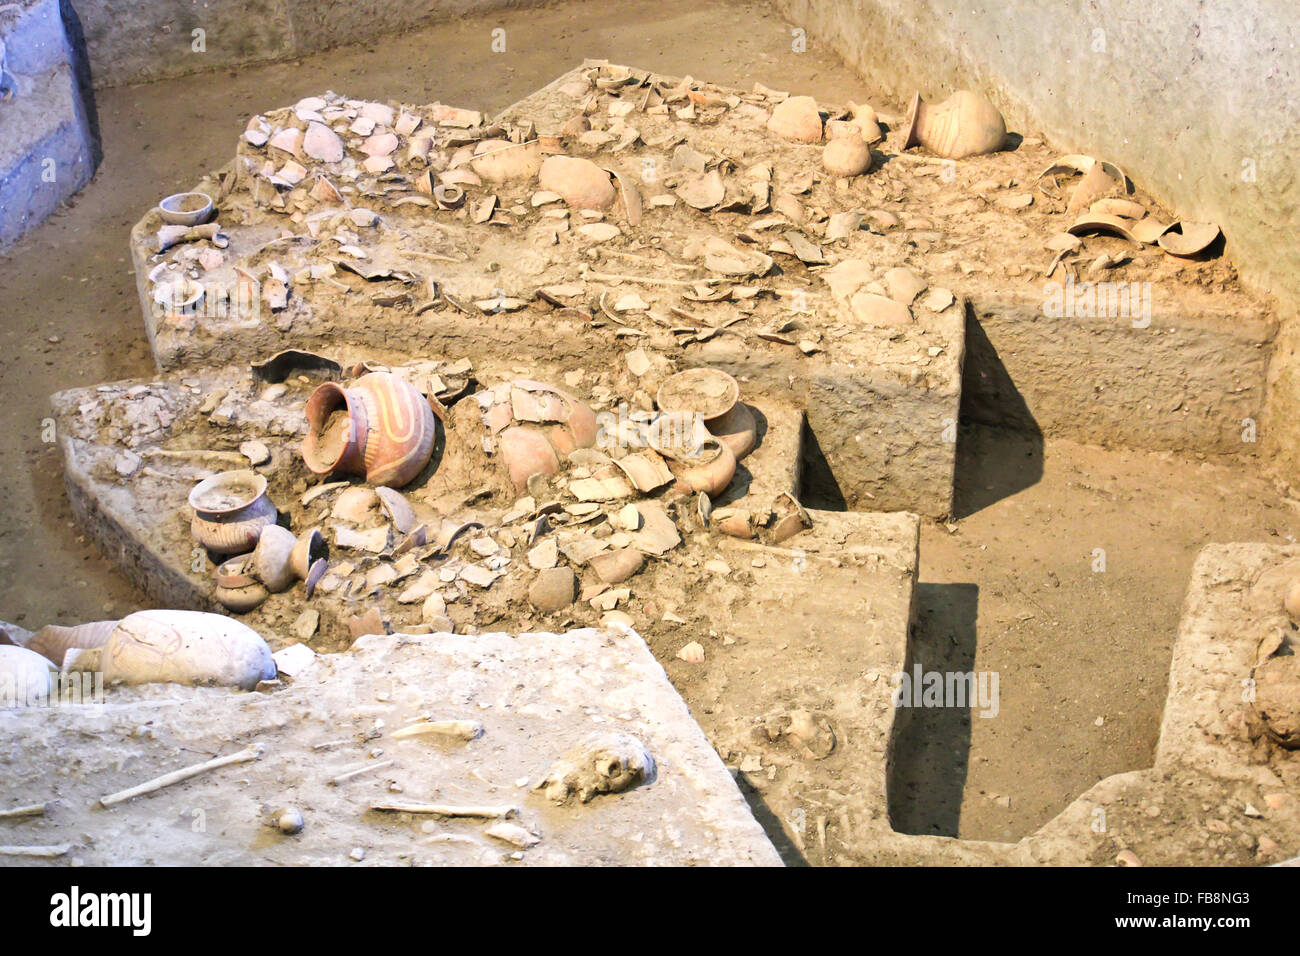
599 231
288 140
723 258
374 540
842 225
692 653
879 311
845 278
478 575
1186 239
553 589
1149 230
702 190
904 285
615 567
645 469
599 489
580 182
544 556
1100 222
602 764
658 534
797 119
322 143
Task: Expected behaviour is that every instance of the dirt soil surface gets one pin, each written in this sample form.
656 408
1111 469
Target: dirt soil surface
1010 588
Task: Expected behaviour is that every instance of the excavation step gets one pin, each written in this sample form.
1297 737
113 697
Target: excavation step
705 241
458 547
343 767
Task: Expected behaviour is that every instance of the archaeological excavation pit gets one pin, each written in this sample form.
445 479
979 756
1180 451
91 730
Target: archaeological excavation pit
847 486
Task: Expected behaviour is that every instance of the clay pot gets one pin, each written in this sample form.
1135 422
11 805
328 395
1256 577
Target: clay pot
499 160
272 558
737 429
380 427
527 452
230 510
736 522
847 154
53 642
448 196
699 462
709 392
186 209
25 677
309 546
797 119
537 426
181 647
241 600
965 124
790 518
580 182
865 118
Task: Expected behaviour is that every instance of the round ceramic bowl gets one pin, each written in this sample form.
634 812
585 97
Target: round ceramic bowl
710 392
230 511
186 209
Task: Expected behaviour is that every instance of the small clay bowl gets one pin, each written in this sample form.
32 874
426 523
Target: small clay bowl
186 209
710 392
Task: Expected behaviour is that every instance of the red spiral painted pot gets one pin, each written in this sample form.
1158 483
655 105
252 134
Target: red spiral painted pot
389 433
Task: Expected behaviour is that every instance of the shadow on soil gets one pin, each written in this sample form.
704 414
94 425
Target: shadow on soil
1006 454
931 745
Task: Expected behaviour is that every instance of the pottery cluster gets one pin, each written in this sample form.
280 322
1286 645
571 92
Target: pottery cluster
234 515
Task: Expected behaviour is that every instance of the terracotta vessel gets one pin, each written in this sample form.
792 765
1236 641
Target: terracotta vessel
737 429
526 452
186 209
699 461
53 641
272 558
847 156
797 118
309 547
537 425
710 392
25 677
181 647
230 510
380 427
965 124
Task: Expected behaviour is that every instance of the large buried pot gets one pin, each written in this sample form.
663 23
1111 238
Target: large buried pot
380 427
